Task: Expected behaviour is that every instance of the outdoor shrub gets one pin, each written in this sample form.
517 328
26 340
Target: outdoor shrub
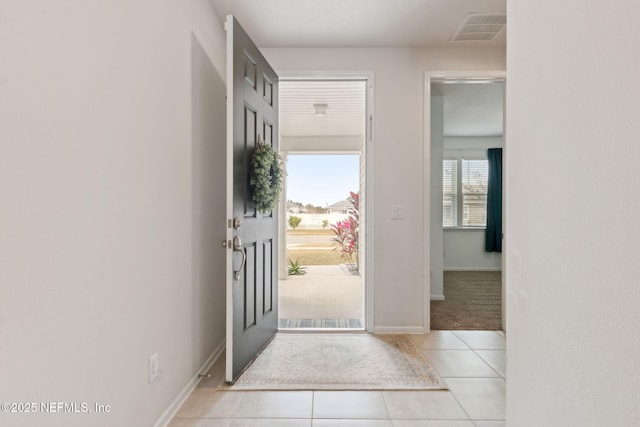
347 232
294 221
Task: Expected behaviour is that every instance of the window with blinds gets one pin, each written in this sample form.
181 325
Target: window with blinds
450 193
464 185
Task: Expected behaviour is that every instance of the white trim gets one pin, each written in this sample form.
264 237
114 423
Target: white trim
430 76
426 195
282 218
369 150
229 257
399 330
437 297
505 185
325 75
472 269
173 408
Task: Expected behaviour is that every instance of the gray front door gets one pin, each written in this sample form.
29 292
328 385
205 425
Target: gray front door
252 288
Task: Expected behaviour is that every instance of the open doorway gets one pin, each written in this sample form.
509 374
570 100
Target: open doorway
466 133
322 139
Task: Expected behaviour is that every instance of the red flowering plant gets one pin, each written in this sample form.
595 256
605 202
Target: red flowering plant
346 233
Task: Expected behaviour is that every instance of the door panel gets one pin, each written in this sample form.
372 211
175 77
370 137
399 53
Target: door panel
267 286
252 114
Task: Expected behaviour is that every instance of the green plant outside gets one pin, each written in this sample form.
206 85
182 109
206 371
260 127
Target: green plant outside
294 221
296 269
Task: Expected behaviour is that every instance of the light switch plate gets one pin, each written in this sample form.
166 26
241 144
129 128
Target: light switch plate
397 212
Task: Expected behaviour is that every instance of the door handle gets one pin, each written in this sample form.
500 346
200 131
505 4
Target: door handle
237 247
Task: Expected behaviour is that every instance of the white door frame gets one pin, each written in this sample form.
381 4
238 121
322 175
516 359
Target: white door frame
463 76
368 149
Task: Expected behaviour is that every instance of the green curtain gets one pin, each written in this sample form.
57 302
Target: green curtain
493 239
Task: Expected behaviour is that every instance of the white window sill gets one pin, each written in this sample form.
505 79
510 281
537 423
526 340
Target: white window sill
464 228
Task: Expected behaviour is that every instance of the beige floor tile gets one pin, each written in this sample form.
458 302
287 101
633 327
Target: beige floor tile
473 395
459 363
269 422
208 403
423 405
433 423
352 423
497 359
200 422
482 340
481 398
275 404
349 404
441 340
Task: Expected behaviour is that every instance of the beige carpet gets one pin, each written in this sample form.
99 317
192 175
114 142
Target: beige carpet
473 300
339 362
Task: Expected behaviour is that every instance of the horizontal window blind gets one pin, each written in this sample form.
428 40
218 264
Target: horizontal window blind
449 193
475 180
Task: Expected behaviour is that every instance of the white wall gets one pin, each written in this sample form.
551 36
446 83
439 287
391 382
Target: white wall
464 251
399 257
573 103
97 242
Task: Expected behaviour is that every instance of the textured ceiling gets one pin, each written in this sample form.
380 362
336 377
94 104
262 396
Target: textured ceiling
357 23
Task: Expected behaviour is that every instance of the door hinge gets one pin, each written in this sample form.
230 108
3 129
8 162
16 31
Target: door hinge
229 223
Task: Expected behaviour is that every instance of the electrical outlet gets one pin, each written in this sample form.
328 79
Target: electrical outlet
154 367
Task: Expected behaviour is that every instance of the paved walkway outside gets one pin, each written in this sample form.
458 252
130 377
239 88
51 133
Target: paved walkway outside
325 292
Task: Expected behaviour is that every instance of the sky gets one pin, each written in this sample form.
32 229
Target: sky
322 179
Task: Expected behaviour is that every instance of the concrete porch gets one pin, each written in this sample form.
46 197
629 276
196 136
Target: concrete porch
328 296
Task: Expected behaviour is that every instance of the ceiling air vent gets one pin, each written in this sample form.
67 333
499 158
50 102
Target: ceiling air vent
480 27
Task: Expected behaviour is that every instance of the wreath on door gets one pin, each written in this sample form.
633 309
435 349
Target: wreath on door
265 177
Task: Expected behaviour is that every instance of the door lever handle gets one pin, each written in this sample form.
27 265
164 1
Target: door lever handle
237 247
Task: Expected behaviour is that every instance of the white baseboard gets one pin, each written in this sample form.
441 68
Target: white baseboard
437 297
171 411
473 269
398 330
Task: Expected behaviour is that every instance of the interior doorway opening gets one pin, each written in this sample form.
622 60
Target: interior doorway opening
322 243
466 132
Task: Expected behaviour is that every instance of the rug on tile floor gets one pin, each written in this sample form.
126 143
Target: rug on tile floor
339 362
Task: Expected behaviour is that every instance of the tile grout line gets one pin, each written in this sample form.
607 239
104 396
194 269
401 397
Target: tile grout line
482 358
461 407
489 365
313 401
386 406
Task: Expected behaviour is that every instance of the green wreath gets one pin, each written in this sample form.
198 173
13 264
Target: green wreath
265 177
